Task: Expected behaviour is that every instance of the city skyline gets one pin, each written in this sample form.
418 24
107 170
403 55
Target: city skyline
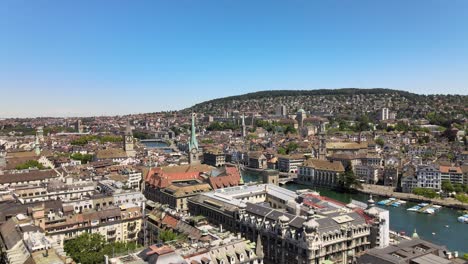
92 59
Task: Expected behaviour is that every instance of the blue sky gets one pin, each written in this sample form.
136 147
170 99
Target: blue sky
69 58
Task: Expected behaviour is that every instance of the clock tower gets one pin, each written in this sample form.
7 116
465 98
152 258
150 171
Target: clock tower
128 142
194 152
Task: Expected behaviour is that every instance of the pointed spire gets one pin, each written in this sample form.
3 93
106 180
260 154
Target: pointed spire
193 137
37 148
259 247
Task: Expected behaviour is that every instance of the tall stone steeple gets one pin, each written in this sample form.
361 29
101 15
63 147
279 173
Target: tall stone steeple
243 126
37 147
128 142
193 144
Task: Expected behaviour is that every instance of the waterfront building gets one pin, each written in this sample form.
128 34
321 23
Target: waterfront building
416 251
452 174
391 175
214 157
366 173
320 173
290 163
257 160
284 219
428 176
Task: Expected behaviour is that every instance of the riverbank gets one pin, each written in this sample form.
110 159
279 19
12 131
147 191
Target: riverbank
387 191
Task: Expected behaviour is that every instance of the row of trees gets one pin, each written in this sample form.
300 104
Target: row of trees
83 140
84 158
30 164
276 127
426 192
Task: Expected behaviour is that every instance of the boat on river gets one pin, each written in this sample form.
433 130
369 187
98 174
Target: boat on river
414 208
463 219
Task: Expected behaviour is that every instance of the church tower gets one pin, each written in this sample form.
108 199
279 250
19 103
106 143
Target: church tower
37 147
128 142
322 152
194 152
243 126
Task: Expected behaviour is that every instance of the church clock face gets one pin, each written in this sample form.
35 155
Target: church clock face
194 151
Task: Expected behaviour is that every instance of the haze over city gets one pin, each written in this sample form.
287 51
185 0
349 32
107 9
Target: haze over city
87 58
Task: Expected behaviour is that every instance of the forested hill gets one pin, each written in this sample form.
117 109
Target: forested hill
346 101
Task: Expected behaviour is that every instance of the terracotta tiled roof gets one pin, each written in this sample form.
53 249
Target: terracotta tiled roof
28 176
170 221
324 165
162 177
447 169
346 145
231 179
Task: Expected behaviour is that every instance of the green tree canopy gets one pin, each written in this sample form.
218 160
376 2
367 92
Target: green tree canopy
30 164
447 186
91 248
348 180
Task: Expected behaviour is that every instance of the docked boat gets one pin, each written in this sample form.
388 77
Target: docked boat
383 202
463 219
429 211
414 208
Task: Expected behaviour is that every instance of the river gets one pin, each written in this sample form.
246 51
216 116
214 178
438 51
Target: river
455 237
156 145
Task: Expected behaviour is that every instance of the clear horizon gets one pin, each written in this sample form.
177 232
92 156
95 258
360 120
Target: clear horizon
101 58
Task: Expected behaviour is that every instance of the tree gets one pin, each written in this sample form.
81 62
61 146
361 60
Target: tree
86 248
457 187
30 164
447 186
348 180
84 158
290 129
363 123
169 235
401 126
426 192
292 146
91 248
379 141
282 151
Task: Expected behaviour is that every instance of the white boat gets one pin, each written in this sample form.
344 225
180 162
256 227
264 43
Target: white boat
429 211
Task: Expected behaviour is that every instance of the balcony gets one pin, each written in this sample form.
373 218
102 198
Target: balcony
131 236
131 227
